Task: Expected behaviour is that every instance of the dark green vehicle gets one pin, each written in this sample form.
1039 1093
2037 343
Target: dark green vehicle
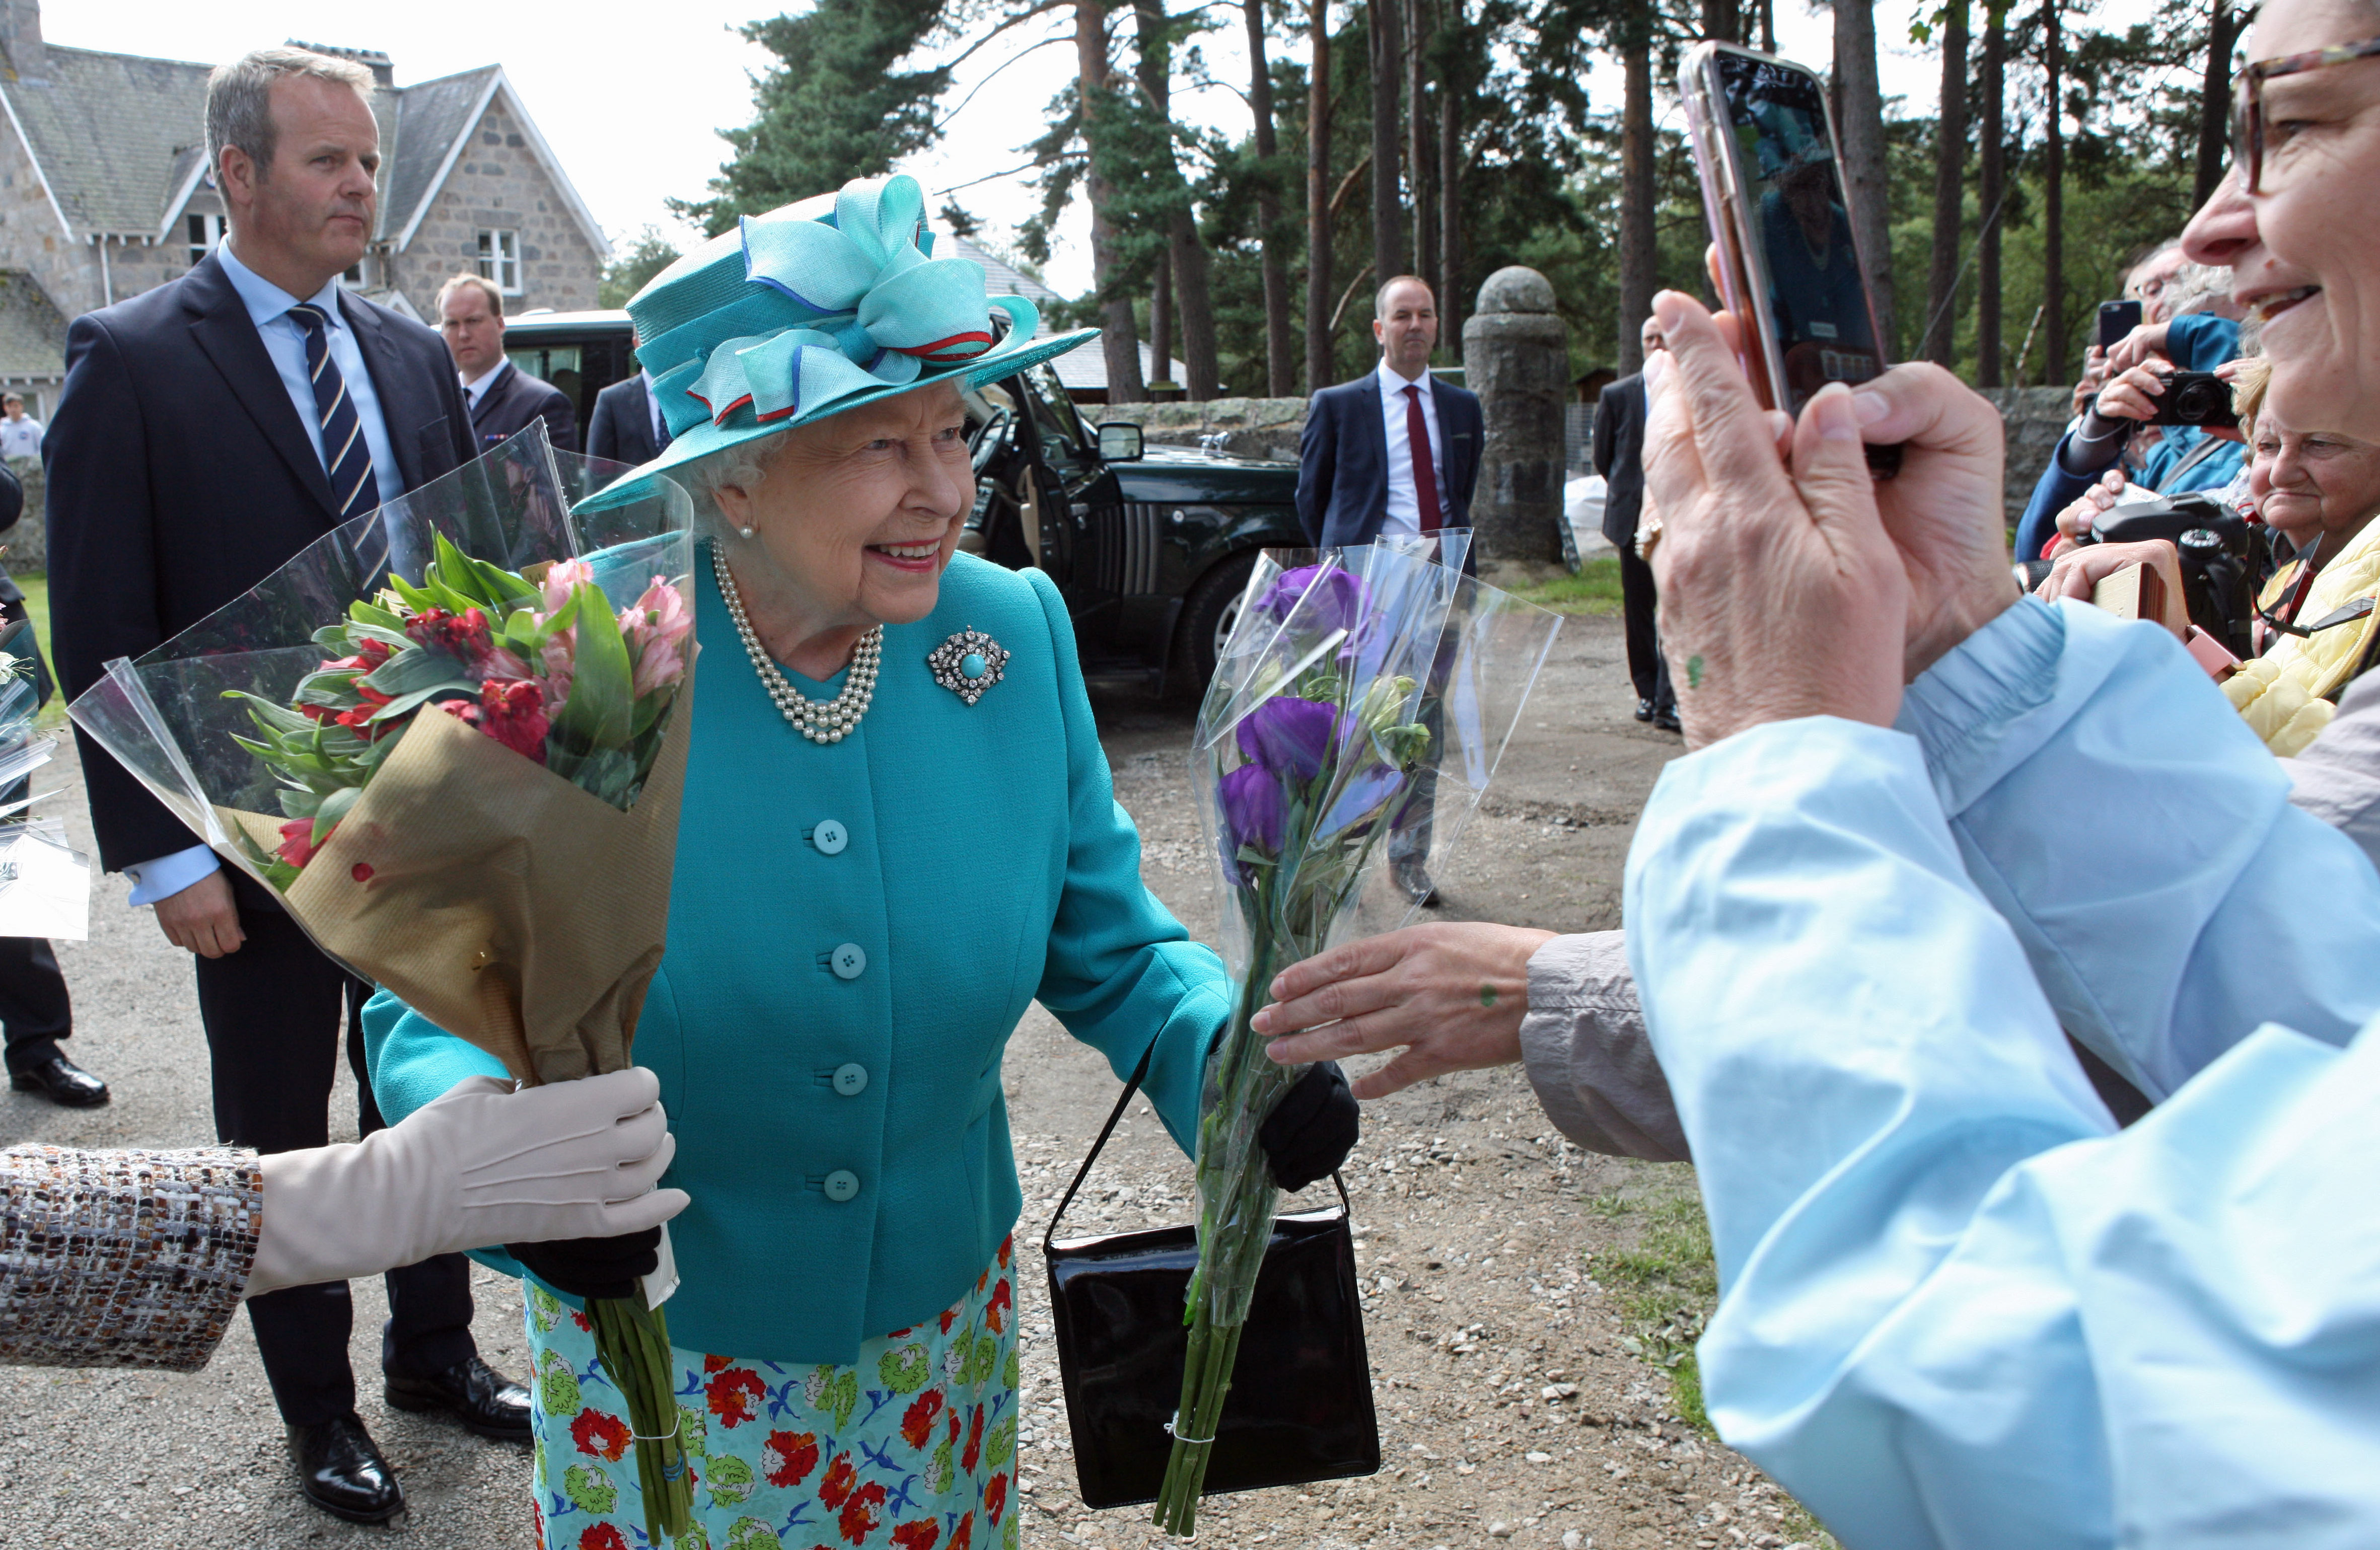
1150 546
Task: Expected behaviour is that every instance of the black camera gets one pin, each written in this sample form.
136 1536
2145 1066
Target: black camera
2224 558
2199 398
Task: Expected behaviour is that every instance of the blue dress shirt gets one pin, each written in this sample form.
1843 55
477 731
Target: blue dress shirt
1958 1308
268 306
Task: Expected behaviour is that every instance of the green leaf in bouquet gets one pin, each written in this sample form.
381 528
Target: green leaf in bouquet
412 597
412 700
610 774
602 707
522 635
375 616
393 636
649 709
1406 746
274 719
334 807
417 668
299 803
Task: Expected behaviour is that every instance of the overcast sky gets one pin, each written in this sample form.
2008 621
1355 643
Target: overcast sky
632 106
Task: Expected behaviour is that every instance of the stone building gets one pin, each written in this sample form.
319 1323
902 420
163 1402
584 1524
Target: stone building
104 192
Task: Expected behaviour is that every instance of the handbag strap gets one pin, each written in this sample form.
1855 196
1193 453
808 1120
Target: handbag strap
1115 1117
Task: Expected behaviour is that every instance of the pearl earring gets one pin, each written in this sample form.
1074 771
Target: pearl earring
748 532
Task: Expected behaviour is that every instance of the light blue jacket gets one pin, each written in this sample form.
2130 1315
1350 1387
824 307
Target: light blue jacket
1958 1308
854 930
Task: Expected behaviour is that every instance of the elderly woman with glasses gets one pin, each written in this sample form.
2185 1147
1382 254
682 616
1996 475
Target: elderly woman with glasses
899 829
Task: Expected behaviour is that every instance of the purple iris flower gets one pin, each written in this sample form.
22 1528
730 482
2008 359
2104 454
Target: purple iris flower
1289 736
1253 814
1334 599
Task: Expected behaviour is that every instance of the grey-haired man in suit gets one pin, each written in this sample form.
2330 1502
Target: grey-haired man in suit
209 431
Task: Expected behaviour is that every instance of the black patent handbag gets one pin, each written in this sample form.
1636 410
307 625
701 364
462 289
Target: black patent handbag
1300 1405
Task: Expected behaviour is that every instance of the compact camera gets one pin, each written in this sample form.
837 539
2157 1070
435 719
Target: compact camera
2199 398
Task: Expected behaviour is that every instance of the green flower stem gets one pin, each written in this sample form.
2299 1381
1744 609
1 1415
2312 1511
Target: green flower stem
632 1342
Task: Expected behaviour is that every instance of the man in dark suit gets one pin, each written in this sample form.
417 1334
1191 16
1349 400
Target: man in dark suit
1393 453
210 429
1620 458
627 426
1358 477
502 397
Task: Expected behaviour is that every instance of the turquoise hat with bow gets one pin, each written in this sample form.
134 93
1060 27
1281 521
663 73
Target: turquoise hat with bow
813 310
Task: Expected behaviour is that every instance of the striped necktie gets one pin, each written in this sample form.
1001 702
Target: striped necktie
345 457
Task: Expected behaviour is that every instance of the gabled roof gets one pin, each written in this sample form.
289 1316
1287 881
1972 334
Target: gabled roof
120 141
109 133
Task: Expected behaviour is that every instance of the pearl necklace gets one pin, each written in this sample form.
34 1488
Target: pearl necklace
819 721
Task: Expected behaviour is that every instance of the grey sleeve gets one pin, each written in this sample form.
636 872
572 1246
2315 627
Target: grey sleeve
2338 777
1584 1046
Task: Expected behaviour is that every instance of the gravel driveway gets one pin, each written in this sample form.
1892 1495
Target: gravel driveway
1507 1313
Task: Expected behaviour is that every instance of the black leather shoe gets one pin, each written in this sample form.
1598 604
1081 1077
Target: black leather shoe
1667 720
62 1082
341 1470
473 1393
1643 710
1414 879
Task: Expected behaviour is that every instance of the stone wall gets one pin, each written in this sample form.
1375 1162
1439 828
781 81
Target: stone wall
29 548
498 183
2035 418
30 238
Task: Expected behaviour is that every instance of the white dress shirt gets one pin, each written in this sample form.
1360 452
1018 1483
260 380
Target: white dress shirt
20 438
268 306
1405 506
1960 1308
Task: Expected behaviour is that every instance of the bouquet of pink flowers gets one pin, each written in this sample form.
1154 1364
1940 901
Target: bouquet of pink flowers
465 786
539 664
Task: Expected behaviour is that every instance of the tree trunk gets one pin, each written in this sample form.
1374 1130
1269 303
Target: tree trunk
1388 82
1949 190
1186 259
1421 156
1321 368
1862 123
2053 204
1991 190
1769 26
1637 251
1280 373
1723 20
1450 181
1119 335
2215 102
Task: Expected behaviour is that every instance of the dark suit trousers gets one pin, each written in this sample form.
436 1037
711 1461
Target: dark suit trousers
34 1009
1639 601
271 1012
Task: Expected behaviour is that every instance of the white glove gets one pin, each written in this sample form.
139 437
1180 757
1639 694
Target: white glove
482 1164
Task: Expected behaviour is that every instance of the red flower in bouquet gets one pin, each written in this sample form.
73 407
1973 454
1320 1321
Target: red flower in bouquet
863 1514
510 711
917 1420
736 1396
840 1480
465 636
298 845
787 1457
604 1436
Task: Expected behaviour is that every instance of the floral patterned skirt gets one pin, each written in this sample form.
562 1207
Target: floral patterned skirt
911 1448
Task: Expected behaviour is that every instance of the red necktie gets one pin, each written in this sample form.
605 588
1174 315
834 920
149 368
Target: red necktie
1425 477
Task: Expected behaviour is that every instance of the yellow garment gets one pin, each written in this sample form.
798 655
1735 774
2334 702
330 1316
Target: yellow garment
2285 694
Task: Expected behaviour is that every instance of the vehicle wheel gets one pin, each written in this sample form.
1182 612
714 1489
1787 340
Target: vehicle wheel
1206 619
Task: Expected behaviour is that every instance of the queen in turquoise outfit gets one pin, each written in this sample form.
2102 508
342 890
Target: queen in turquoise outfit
898 829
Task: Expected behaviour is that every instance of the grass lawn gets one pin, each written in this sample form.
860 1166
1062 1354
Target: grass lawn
1594 590
36 587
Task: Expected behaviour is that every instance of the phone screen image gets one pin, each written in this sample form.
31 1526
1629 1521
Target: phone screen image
1817 301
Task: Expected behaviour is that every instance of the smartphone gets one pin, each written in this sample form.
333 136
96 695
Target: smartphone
1789 265
2115 320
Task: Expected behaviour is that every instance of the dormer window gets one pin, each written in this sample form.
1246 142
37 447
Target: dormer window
204 231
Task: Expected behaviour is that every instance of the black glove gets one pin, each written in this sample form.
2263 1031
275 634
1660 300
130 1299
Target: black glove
592 1267
1312 1128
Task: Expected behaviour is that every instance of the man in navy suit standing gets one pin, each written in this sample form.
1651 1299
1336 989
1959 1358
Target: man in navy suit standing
210 429
503 397
1393 453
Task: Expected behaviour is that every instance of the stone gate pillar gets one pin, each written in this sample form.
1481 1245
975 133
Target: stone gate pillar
1516 357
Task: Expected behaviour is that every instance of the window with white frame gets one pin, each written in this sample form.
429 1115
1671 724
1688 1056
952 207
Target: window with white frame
204 232
500 260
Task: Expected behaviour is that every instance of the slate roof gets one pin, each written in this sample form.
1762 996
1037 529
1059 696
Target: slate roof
32 333
429 119
108 131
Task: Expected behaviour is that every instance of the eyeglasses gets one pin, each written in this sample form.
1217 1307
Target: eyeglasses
2248 104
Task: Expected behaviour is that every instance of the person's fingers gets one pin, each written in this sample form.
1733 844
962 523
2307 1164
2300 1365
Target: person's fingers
639 1136
1673 469
643 1214
1348 961
1830 462
1362 1034
640 1174
629 1092
1413 1065
1728 437
1924 405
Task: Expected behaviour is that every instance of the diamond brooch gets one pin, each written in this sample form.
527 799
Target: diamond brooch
967 663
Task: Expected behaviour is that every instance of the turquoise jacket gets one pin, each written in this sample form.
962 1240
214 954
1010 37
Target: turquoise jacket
855 928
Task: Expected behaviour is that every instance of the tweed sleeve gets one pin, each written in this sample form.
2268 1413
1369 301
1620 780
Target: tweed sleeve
123 1258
